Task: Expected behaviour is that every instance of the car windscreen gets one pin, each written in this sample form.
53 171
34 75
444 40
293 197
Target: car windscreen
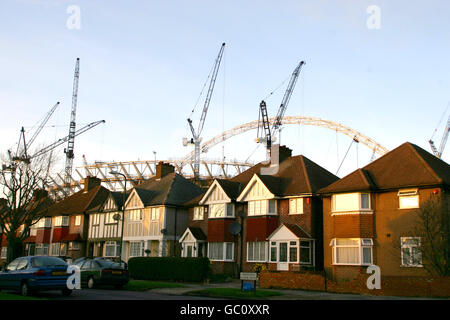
107 264
47 262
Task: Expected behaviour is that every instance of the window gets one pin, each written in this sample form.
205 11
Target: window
111 249
351 202
55 249
154 213
136 249
353 251
62 221
63 249
293 251
77 220
221 210
74 246
256 251
410 252
261 207
4 252
109 218
135 215
198 213
221 251
305 252
273 251
296 206
41 249
44 223
408 199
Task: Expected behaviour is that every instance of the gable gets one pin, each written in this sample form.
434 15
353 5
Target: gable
187 236
110 204
255 190
282 233
134 201
215 194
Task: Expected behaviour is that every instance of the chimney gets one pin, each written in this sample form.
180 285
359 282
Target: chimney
279 153
284 153
39 194
91 182
163 169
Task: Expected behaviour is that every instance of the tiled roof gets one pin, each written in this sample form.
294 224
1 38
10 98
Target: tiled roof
172 189
406 166
296 175
71 237
197 233
80 202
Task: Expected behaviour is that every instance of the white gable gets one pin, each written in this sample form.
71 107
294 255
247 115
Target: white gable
110 204
255 190
187 237
215 194
134 201
282 233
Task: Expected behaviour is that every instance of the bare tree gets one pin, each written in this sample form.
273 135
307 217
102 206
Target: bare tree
432 225
25 200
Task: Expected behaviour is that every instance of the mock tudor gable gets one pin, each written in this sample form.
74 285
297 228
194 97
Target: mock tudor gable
255 190
215 194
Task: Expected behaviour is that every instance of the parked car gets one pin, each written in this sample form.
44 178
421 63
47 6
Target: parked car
101 271
35 273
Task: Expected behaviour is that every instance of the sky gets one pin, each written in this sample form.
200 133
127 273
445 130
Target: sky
378 67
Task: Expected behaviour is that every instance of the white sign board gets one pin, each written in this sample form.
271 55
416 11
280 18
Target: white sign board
249 276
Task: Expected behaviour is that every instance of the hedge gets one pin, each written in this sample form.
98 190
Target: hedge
169 268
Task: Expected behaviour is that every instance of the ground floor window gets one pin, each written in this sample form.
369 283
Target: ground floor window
74 246
4 252
306 252
111 249
295 251
257 251
41 249
352 251
221 251
410 252
136 249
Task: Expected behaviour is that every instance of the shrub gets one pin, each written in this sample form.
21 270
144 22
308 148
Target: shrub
169 268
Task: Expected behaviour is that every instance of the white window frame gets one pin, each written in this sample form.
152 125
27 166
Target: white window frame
4 253
62 221
311 252
135 215
41 246
224 251
226 211
45 222
55 249
77 220
198 213
95 219
408 194
410 247
360 245
155 213
358 209
141 249
261 207
256 247
114 244
109 218
296 201
73 245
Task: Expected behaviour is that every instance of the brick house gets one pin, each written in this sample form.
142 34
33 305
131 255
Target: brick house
368 215
63 230
280 215
156 215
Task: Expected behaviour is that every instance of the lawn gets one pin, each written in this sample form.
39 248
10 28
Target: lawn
234 293
144 285
8 296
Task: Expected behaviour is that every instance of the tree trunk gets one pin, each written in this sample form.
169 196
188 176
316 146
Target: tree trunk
15 248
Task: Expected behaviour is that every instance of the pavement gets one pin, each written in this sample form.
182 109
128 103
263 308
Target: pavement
286 294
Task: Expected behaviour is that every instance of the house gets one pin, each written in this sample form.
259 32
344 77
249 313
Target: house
105 227
278 211
63 230
369 215
156 216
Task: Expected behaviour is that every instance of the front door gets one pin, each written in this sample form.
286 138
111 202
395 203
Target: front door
189 251
283 264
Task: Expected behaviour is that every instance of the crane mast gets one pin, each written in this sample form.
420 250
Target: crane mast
438 152
196 136
71 137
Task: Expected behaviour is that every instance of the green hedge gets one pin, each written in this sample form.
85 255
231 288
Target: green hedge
169 268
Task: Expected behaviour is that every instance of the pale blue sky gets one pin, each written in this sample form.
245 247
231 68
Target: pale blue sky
143 65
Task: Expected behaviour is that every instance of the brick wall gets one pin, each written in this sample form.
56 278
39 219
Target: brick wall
390 286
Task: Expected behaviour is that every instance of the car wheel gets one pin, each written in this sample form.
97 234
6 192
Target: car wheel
91 283
24 289
66 292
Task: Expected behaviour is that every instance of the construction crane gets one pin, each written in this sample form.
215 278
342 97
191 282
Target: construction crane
71 137
438 152
270 133
196 135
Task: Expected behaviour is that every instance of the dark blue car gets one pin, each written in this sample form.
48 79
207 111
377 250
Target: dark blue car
35 273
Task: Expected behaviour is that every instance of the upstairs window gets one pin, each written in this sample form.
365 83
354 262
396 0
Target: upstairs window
296 206
154 213
262 207
135 215
95 219
410 252
351 202
77 220
44 223
408 199
221 210
109 218
62 221
198 213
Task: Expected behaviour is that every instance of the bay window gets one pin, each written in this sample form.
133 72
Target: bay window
41 249
352 251
261 207
221 251
221 210
135 215
257 251
136 249
111 249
